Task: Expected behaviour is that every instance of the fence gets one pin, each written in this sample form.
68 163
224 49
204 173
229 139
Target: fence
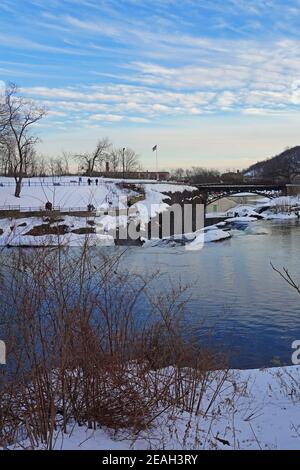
9 208
29 183
44 183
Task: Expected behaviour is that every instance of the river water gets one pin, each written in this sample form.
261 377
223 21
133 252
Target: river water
243 306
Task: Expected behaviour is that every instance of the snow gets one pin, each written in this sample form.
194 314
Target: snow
207 236
241 219
152 205
285 201
243 211
106 196
255 409
70 194
15 235
169 188
215 215
69 239
65 197
221 224
155 197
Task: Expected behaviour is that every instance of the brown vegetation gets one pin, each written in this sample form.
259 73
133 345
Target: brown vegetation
80 352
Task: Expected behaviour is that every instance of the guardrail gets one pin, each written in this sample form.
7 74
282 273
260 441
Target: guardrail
46 183
9 208
29 183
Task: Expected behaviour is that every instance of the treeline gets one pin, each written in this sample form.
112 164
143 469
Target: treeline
196 175
284 167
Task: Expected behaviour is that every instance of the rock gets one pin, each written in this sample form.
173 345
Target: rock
129 242
84 230
52 220
46 229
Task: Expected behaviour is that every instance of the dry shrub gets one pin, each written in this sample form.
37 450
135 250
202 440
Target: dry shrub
80 351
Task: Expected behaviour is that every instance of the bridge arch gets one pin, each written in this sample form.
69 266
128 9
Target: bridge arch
213 199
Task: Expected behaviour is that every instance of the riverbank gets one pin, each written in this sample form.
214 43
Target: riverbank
100 212
82 213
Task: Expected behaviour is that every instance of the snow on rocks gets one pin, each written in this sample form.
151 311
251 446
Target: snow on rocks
244 219
207 236
243 211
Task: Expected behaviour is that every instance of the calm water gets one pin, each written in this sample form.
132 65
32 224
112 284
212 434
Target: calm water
235 293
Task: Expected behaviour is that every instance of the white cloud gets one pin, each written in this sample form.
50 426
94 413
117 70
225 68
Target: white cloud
106 117
138 119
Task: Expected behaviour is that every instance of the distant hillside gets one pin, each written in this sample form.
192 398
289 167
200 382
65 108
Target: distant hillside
284 167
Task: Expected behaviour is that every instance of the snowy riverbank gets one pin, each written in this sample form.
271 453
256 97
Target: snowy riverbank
116 204
254 409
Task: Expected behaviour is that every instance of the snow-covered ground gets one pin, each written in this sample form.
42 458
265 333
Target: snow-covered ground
101 196
255 409
67 194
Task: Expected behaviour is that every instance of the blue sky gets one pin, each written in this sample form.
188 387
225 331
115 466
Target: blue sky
213 83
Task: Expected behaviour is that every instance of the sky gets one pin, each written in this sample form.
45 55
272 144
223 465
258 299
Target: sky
213 83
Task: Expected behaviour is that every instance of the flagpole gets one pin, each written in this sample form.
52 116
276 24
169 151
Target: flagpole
156 165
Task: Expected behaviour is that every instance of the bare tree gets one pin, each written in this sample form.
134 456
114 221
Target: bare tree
284 168
59 166
123 159
5 160
115 159
178 174
91 160
42 166
66 162
131 160
30 161
17 116
197 175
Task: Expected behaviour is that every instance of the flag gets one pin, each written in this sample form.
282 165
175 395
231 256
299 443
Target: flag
154 148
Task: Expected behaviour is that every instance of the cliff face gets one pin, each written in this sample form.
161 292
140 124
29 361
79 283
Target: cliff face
284 167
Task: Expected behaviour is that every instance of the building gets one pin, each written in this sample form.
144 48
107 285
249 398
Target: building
134 175
227 203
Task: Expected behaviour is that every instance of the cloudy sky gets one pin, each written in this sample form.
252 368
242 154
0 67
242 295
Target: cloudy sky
214 83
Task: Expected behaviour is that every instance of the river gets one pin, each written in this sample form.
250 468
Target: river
240 302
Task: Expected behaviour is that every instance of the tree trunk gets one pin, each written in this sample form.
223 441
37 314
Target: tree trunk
89 171
18 188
